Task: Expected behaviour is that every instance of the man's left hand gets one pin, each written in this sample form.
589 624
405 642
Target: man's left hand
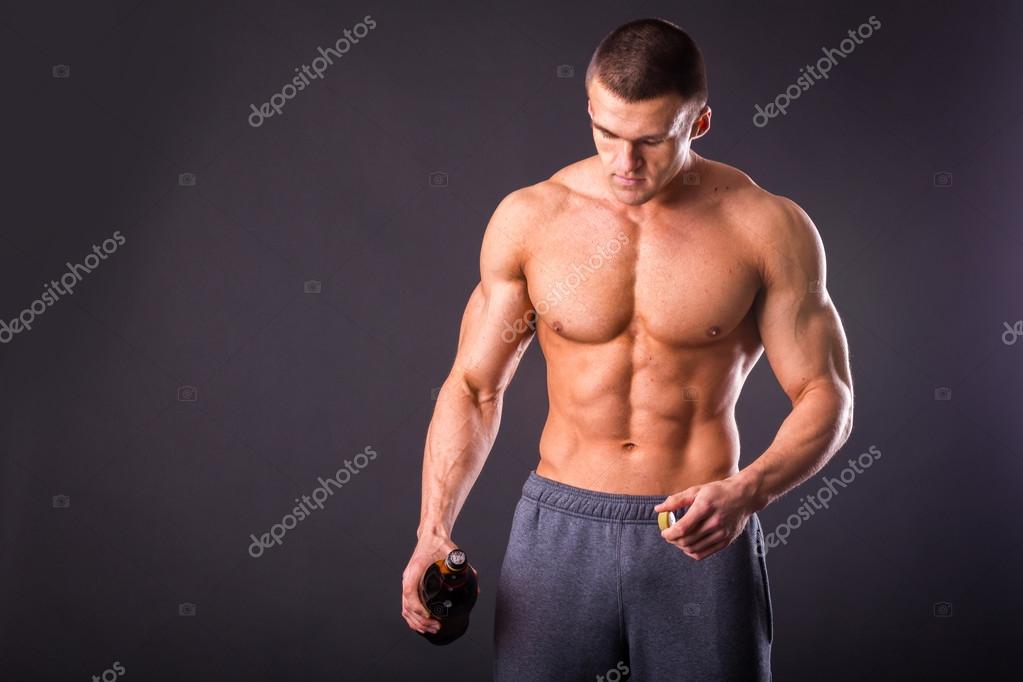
717 513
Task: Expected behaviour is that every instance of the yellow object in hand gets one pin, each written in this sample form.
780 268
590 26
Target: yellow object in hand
665 519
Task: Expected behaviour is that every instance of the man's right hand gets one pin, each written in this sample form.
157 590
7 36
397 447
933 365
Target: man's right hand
468 409
415 613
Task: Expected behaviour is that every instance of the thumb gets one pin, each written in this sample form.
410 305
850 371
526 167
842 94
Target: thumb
676 500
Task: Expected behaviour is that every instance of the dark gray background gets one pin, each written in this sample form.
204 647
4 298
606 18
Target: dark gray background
208 292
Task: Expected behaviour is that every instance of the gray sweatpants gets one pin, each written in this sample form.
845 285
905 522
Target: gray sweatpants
589 590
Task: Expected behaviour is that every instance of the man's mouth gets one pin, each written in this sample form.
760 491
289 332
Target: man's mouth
628 181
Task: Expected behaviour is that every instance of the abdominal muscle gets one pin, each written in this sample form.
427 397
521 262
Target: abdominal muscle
709 452
653 429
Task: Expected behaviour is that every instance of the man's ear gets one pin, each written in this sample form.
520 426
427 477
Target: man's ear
702 123
589 107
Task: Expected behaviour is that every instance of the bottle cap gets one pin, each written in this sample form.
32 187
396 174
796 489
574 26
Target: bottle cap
455 559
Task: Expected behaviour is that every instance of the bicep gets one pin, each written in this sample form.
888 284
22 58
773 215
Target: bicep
496 325
799 326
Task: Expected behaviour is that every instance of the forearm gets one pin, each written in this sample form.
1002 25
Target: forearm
819 424
458 441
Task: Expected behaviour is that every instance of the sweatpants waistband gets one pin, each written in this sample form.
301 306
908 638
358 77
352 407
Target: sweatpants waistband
591 503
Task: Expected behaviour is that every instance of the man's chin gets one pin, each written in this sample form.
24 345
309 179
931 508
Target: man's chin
631 197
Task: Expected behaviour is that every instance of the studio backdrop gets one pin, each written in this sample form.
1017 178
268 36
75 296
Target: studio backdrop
221 292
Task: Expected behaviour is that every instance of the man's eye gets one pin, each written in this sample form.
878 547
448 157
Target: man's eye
606 135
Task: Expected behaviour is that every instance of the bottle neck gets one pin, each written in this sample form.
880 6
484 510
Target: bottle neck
445 569
454 562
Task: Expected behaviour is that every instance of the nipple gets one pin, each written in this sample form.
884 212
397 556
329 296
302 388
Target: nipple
714 331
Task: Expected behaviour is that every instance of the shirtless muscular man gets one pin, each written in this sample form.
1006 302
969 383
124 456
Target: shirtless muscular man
691 271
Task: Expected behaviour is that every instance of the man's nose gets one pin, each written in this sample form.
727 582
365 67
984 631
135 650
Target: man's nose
630 160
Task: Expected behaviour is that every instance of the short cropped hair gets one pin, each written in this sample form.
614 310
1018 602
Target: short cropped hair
647 58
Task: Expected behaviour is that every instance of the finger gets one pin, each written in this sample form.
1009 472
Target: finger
693 539
418 624
709 540
412 602
418 621
416 612
676 500
710 523
713 549
692 519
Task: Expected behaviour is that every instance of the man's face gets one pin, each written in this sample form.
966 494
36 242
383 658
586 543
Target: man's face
642 145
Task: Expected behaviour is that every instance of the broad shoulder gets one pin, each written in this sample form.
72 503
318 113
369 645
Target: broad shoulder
516 222
536 205
782 232
734 192
774 226
535 202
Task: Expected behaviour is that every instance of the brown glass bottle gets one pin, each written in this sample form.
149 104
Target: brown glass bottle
449 589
